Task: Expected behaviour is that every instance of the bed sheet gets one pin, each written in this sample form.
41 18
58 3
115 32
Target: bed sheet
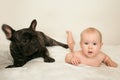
36 69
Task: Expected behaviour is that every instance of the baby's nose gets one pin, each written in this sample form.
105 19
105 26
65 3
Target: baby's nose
90 46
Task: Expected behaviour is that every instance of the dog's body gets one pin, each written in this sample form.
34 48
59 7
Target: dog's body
27 44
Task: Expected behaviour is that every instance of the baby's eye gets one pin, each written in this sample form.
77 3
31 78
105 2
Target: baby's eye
86 43
94 43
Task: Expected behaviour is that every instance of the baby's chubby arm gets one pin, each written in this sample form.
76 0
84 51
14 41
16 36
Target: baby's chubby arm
108 61
72 59
70 41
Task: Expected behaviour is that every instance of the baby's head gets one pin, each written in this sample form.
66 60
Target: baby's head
91 30
91 41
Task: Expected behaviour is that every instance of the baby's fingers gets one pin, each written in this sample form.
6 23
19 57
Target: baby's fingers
112 64
75 61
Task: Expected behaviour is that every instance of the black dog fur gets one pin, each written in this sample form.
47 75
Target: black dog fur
27 44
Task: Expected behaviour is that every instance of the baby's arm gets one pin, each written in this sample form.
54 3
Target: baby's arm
72 59
109 62
68 57
70 41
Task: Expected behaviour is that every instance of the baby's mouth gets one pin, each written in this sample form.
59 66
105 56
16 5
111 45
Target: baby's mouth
90 52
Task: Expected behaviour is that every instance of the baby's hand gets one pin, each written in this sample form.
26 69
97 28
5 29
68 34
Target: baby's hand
75 60
110 63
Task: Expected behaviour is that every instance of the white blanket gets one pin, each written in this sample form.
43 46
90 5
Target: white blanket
36 69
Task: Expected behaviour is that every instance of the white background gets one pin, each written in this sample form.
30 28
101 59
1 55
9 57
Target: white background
54 17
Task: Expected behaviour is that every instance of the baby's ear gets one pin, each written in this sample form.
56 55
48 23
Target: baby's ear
80 44
101 44
8 31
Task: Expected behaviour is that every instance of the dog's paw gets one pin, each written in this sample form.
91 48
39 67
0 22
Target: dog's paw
65 46
48 59
10 66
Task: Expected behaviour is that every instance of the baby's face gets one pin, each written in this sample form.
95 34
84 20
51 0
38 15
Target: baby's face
90 44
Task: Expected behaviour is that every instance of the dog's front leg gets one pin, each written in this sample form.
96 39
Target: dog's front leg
48 59
17 63
45 55
48 41
51 42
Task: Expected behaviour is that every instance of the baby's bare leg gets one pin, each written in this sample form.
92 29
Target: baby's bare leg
70 41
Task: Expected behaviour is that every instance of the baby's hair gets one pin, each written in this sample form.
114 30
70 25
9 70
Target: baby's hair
92 29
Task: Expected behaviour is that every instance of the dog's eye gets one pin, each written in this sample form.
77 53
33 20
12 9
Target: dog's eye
25 40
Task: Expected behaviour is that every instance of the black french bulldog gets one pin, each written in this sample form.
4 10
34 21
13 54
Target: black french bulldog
27 44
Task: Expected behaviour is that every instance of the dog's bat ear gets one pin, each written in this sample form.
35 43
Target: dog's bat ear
8 31
33 24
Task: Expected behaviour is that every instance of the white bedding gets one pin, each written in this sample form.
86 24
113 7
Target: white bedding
36 69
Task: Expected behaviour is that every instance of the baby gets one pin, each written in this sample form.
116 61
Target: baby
90 54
